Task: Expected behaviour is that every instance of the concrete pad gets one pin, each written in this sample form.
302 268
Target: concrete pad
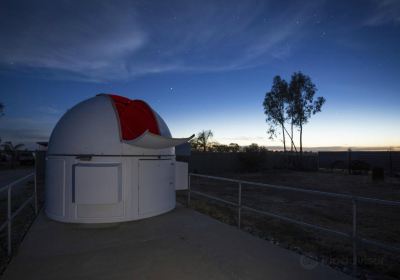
182 244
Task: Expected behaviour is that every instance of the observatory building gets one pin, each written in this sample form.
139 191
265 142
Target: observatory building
112 159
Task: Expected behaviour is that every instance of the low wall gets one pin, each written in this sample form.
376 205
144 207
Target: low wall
217 163
388 160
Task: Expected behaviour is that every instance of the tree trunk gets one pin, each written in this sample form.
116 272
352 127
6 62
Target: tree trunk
284 139
291 139
301 145
291 136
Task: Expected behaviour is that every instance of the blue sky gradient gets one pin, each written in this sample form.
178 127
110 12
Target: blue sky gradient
204 64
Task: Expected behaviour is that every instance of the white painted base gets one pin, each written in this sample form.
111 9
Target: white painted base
109 189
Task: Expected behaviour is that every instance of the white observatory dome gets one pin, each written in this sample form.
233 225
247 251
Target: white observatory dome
111 125
111 159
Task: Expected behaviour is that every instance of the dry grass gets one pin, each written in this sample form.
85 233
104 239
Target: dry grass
374 221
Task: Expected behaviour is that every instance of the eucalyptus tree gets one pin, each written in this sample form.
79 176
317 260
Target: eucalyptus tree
303 104
275 108
203 138
290 106
234 147
12 151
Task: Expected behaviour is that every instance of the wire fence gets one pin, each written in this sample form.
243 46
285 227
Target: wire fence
352 236
12 215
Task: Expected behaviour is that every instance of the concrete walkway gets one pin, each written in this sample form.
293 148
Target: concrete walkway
182 244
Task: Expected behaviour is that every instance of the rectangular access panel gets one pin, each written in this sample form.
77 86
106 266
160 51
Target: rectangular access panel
181 175
156 186
97 183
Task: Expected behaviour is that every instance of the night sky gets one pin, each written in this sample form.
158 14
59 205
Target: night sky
204 64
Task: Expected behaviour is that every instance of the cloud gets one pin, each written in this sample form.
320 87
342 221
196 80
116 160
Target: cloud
104 40
23 129
92 41
50 110
385 12
242 140
32 129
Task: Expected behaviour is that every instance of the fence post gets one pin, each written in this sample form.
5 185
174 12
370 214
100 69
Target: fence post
390 162
35 193
354 235
188 196
349 160
9 239
35 200
239 204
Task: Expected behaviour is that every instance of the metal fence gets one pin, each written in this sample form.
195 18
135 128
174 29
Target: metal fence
353 236
11 215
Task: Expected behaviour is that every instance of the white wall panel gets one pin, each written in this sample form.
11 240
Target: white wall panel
97 183
156 186
181 175
55 186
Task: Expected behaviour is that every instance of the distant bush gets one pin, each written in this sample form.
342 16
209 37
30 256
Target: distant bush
252 161
254 148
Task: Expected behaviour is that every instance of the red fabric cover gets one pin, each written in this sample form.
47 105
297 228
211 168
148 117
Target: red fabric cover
135 117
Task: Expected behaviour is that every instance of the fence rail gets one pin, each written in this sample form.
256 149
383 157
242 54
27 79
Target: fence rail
11 215
353 236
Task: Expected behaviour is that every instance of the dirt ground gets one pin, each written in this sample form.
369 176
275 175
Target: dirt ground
377 222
